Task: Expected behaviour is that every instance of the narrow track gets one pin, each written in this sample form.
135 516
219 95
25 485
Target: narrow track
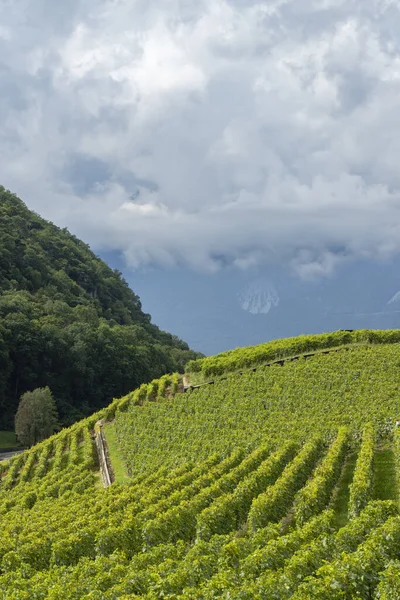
7 455
101 446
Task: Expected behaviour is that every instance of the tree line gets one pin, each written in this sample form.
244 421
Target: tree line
70 322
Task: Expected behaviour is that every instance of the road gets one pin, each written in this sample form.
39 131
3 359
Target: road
5 455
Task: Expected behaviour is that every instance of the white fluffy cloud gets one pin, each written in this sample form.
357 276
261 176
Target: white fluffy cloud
207 132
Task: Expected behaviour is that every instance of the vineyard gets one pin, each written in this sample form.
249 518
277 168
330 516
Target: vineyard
274 484
244 358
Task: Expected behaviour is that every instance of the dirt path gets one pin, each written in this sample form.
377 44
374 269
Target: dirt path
341 494
101 446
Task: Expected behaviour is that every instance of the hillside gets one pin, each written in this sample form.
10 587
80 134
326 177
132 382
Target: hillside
69 321
274 483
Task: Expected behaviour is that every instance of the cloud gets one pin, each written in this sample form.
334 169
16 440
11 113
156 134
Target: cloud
208 133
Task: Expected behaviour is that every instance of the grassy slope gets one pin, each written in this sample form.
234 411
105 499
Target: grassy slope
120 473
8 440
342 495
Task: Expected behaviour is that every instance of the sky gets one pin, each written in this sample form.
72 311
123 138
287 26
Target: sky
205 134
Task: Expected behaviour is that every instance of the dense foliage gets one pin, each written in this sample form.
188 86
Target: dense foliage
36 416
349 386
69 322
246 358
233 491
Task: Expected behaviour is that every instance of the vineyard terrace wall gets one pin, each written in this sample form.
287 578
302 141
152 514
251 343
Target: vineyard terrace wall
243 358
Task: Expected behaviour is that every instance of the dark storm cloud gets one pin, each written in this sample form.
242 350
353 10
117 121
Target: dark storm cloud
207 133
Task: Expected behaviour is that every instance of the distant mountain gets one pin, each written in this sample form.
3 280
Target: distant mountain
394 303
69 321
234 308
258 297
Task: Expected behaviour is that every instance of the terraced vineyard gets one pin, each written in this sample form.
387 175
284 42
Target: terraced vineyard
274 484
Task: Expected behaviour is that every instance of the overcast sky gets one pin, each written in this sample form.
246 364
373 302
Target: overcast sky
207 133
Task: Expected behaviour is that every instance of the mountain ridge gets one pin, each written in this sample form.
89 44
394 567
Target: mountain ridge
69 321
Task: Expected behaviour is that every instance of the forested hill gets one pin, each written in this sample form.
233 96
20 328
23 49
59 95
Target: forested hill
69 321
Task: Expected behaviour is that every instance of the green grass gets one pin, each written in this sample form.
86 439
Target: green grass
117 463
385 484
341 499
8 439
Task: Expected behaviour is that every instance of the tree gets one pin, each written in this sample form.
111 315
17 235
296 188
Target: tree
36 416
62 313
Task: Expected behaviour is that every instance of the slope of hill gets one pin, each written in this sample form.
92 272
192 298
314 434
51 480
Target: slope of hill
211 367
70 322
272 484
